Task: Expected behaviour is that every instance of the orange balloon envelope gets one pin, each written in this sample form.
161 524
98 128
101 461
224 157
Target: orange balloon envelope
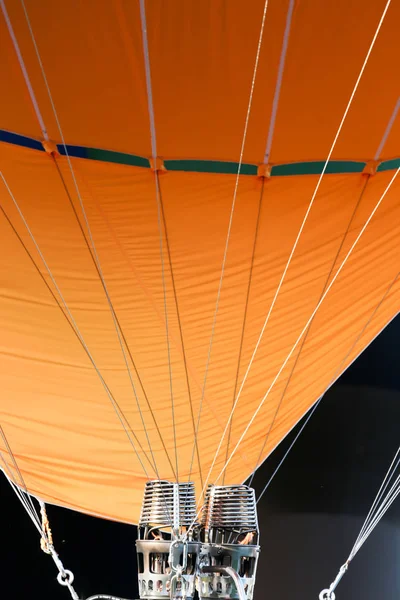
131 321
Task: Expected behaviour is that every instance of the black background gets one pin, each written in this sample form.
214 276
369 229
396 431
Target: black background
309 518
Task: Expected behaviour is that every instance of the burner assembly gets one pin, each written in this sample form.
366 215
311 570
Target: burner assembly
166 563
180 557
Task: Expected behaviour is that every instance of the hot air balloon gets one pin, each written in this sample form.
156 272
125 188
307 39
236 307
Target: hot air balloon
199 216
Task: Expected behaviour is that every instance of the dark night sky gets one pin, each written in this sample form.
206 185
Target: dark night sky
309 518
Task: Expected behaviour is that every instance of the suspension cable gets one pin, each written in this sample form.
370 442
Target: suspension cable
333 380
235 192
153 140
116 322
280 402
379 202
370 516
21 478
185 364
305 328
347 109
245 315
22 496
379 507
121 416
65 577
93 251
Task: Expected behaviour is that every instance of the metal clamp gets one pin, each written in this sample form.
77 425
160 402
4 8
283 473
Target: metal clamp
174 585
65 578
177 568
174 554
329 593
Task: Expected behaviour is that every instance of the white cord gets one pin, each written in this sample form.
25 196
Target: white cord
305 328
298 236
153 140
310 319
329 594
336 375
65 576
394 464
92 246
385 505
118 411
229 234
21 497
28 499
377 511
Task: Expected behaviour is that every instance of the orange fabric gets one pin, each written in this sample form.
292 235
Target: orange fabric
202 60
60 423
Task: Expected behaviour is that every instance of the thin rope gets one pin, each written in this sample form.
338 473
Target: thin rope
301 230
312 411
94 255
116 324
71 320
167 244
70 325
310 319
387 130
260 39
246 306
65 577
303 224
375 515
166 322
118 328
374 512
393 466
377 154
153 140
23 497
334 378
91 246
279 79
372 522
386 504
14 460
120 332
279 405
46 530
150 104
24 71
